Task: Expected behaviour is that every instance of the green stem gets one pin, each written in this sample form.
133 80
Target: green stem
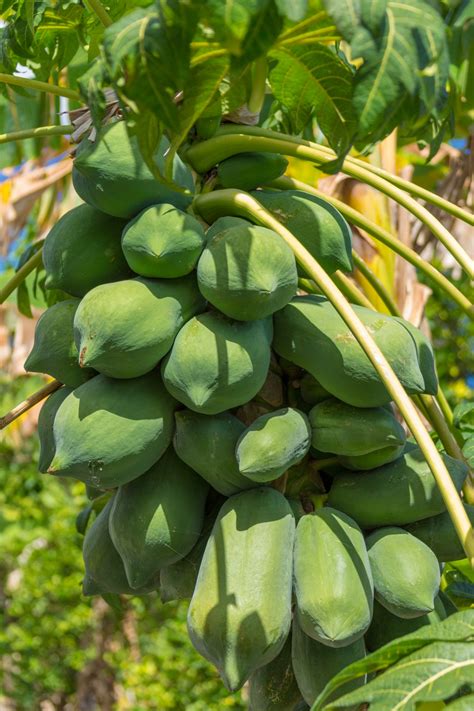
101 12
296 29
30 402
228 202
446 410
350 291
383 236
401 183
314 34
227 142
40 131
25 83
201 58
259 81
376 284
21 275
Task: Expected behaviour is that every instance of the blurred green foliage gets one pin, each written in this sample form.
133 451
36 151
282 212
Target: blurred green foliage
54 643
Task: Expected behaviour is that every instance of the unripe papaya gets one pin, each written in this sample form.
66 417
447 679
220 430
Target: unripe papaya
397 493
310 325
45 427
157 518
177 581
439 534
111 174
83 250
225 223
315 664
273 687
313 392
272 444
247 171
406 572
108 432
124 329
333 581
217 364
385 627
315 223
240 613
54 351
363 438
247 272
206 443
206 126
163 242
104 570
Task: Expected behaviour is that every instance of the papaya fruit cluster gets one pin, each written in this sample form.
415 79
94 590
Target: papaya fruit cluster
212 409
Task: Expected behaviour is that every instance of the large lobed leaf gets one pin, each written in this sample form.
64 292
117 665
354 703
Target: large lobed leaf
443 651
404 68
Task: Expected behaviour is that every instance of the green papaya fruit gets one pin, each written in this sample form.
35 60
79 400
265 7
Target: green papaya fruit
240 613
206 443
363 438
405 571
398 493
108 432
439 534
104 570
83 250
315 223
206 126
297 508
54 351
315 664
312 392
163 242
110 174
333 581
157 518
247 272
247 171
225 223
177 581
385 627
272 444
273 687
310 325
45 427
216 364
425 356
124 329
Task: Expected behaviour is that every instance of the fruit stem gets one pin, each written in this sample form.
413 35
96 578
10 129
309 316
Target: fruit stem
203 156
30 402
26 83
97 7
235 202
395 180
376 284
21 275
259 80
35 133
383 236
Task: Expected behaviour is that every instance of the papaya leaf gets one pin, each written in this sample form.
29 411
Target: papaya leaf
465 703
468 450
457 628
464 417
433 673
312 80
464 590
199 91
403 48
293 10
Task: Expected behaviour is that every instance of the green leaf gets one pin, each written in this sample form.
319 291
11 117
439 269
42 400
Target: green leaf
465 703
433 673
402 45
457 628
464 417
468 450
293 10
200 90
459 589
311 81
